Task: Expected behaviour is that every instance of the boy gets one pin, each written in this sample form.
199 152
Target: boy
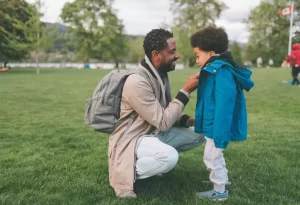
221 109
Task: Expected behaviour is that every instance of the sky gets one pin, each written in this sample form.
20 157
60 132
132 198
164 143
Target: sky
140 16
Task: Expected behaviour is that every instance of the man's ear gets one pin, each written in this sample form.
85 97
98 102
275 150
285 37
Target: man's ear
155 55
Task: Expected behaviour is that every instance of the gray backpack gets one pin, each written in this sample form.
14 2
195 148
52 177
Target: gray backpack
102 111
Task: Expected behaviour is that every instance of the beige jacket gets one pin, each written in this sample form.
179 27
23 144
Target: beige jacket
146 99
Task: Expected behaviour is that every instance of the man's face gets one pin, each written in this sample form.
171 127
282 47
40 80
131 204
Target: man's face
168 57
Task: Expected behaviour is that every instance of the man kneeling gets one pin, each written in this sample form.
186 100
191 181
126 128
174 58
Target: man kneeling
148 143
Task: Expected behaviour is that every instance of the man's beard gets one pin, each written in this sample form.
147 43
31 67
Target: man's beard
167 67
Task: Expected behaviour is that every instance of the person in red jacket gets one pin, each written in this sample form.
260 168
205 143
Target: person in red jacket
294 60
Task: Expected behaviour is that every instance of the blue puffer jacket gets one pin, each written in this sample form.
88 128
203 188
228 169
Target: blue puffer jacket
221 107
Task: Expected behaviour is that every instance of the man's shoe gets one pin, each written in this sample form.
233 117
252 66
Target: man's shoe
126 194
213 195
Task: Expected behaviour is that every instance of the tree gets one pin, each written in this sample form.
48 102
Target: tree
62 42
269 32
136 51
296 26
96 31
236 52
116 46
189 16
37 38
15 9
40 35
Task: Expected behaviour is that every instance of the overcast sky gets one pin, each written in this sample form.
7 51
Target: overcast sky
140 16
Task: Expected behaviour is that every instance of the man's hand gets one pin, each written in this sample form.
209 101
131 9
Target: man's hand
191 122
191 84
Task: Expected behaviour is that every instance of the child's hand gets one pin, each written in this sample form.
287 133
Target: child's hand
284 64
191 121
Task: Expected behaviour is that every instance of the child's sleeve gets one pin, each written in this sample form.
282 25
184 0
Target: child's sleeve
225 96
290 57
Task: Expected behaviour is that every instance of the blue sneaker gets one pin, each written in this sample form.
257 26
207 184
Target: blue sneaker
227 185
213 195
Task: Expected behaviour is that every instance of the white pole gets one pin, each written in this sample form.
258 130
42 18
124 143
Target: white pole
291 29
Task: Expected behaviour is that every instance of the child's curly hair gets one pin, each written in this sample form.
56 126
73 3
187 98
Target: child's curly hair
210 39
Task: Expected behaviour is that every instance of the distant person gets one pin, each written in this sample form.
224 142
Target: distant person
271 62
4 69
259 62
87 65
294 60
221 108
248 64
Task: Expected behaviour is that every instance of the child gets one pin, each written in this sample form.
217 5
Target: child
221 109
294 60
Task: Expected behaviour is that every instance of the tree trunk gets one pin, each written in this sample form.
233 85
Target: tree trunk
37 60
5 63
86 63
117 65
38 51
187 63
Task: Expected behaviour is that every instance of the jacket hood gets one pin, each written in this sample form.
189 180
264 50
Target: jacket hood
296 47
242 75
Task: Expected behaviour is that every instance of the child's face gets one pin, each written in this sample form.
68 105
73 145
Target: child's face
202 56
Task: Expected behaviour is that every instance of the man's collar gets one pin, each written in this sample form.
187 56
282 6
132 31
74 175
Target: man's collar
145 65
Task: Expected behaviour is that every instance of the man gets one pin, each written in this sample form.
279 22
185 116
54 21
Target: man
150 144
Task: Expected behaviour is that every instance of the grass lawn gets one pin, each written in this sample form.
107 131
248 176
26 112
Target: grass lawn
49 156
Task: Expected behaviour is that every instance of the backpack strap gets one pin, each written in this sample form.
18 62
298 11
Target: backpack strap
141 72
133 114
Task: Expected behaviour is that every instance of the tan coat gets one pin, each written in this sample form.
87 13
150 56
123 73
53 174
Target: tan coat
145 98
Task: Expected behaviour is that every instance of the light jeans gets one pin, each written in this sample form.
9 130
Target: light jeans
215 163
157 154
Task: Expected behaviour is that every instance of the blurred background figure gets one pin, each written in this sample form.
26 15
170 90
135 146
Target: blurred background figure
294 60
271 62
259 62
248 64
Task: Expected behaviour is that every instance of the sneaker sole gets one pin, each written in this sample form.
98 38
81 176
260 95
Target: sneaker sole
220 199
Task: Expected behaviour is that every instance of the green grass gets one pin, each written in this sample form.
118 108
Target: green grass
49 156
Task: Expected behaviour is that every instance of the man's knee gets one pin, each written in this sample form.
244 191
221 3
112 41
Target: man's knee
170 159
190 138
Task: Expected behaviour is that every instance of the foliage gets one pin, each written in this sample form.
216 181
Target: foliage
269 32
96 31
236 52
189 16
14 9
135 51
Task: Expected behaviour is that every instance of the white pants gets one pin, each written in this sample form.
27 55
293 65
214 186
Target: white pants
154 157
157 154
215 163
